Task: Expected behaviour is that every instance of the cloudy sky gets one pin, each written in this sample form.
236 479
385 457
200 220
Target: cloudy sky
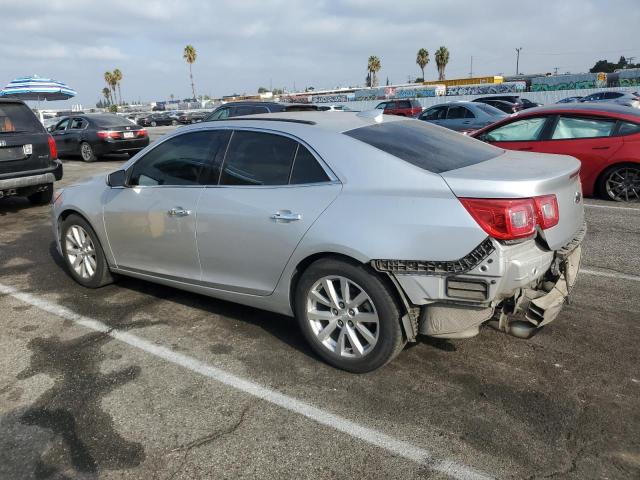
244 44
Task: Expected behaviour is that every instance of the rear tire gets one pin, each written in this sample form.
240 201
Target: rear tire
621 183
153 124
174 122
362 330
87 153
43 197
82 253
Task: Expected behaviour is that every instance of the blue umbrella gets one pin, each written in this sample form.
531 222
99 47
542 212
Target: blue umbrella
36 88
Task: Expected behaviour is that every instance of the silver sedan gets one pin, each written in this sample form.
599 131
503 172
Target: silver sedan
462 116
370 229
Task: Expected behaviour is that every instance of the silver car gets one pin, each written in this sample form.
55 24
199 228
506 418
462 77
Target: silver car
370 229
462 116
621 98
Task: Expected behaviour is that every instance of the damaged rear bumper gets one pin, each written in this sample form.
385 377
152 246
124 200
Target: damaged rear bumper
520 288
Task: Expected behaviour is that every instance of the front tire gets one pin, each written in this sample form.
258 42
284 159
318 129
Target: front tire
348 315
83 254
621 183
87 153
153 124
43 197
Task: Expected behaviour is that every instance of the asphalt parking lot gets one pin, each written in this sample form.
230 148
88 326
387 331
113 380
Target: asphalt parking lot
137 380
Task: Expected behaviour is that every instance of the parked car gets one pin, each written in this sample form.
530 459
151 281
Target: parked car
192 117
372 229
331 108
621 98
239 109
502 105
29 163
520 102
605 137
462 116
97 134
157 119
404 108
574 99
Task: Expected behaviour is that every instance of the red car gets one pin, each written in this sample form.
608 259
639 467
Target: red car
604 137
404 108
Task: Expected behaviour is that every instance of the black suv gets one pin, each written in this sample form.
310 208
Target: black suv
238 109
28 157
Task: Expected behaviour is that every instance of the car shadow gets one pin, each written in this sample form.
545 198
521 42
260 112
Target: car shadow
14 205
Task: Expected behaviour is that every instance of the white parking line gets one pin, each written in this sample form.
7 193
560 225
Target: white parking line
593 205
604 273
368 435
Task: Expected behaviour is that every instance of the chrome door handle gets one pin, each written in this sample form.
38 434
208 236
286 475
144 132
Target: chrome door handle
179 212
286 216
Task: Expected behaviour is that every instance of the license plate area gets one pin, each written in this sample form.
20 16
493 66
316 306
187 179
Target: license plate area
8 154
128 135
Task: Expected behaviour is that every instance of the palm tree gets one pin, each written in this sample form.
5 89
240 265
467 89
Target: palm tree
106 93
190 56
108 78
117 74
442 58
113 84
422 59
373 66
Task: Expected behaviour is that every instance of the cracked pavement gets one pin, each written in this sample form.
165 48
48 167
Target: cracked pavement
75 404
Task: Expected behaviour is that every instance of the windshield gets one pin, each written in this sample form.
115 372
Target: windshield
16 117
431 148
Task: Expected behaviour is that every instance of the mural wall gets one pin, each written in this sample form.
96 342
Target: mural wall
569 82
486 88
629 78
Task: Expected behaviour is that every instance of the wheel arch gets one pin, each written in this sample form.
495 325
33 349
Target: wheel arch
66 213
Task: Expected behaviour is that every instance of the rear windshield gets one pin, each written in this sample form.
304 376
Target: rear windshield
491 110
111 121
431 148
16 117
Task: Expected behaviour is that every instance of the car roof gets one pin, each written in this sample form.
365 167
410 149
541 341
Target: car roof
600 107
342 122
10 100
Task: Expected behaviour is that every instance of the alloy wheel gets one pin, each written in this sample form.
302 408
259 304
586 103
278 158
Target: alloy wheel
81 252
623 184
343 317
86 151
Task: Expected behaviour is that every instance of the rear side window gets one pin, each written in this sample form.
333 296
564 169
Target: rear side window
437 113
108 120
220 114
181 160
256 158
306 168
628 128
77 123
490 110
404 104
242 110
575 127
16 117
430 148
524 130
459 112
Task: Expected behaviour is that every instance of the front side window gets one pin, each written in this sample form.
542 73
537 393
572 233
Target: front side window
575 127
457 112
77 123
381 106
182 160
248 110
404 104
523 130
63 125
257 158
437 113
220 114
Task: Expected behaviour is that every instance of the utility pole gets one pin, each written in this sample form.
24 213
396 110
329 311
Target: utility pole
471 69
518 60
555 70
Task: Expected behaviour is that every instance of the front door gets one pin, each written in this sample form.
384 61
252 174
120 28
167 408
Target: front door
59 134
151 223
271 190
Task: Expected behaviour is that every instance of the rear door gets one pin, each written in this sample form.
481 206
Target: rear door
24 143
271 190
587 138
458 118
151 224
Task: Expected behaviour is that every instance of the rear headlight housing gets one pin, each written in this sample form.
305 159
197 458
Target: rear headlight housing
506 219
53 150
142 132
108 134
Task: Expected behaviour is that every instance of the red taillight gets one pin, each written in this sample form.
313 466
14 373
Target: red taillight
53 151
547 211
142 132
505 219
108 134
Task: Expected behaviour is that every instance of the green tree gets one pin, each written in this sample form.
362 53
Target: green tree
190 56
373 67
108 78
106 94
422 59
117 76
442 58
262 90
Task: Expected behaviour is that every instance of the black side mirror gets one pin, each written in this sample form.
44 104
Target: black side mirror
117 178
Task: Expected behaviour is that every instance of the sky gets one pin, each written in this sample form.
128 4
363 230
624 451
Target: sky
244 44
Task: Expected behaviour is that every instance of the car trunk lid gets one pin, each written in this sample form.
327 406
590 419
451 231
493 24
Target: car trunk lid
526 175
